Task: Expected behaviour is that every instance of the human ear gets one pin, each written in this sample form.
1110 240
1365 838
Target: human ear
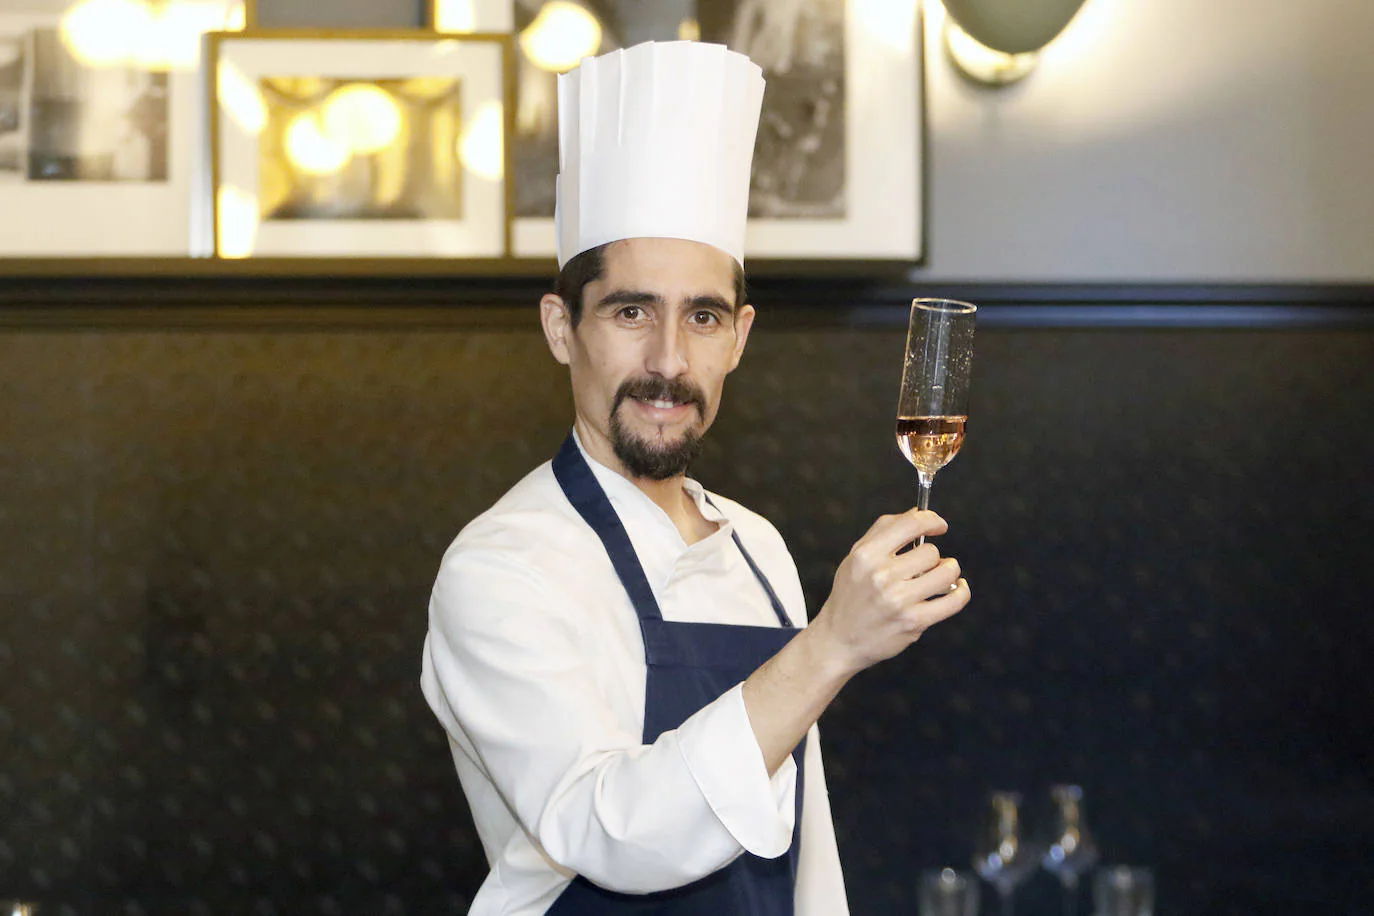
744 320
557 323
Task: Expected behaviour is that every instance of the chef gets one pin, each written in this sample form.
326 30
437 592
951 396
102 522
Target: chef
621 660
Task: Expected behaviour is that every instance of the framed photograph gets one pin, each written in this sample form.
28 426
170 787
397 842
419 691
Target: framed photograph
359 144
98 121
838 162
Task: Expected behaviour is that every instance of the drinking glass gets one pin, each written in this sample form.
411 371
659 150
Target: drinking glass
1002 854
932 409
1069 848
947 892
1124 890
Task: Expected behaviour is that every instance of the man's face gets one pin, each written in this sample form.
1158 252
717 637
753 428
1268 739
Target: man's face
659 332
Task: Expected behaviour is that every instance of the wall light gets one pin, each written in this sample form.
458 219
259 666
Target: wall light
163 35
560 36
996 42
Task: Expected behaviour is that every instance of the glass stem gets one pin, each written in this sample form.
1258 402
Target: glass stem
1006 903
923 497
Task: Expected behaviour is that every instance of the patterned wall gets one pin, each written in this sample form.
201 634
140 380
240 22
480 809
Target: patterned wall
219 543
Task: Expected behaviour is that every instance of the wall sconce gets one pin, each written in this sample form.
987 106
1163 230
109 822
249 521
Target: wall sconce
996 42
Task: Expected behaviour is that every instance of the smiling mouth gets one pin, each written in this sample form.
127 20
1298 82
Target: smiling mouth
661 401
661 405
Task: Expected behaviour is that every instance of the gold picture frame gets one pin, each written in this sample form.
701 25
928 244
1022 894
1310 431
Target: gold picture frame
438 189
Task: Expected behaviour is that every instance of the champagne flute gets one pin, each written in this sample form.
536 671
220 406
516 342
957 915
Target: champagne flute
933 407
1002 855
1070 850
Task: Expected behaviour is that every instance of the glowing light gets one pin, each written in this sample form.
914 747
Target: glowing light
236 19
689 30
981 63
481 148
310 149
104 33
890 22
172 37
237 231
363 118
112 33
240 99
560 36
455 16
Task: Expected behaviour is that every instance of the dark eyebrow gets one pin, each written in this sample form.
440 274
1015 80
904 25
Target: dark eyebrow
712 302
629 297
643 297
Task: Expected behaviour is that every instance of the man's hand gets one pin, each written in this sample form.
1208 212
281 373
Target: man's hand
882 601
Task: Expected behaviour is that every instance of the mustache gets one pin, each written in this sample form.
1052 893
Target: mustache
660 389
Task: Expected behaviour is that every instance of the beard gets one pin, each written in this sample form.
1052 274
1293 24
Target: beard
657 461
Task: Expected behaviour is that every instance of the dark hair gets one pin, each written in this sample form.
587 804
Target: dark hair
590 265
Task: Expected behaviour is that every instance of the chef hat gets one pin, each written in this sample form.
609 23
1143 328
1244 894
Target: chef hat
655 141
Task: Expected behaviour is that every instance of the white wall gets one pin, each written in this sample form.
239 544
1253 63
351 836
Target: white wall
1162 140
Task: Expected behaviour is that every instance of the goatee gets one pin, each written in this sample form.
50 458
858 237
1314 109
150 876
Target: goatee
650 460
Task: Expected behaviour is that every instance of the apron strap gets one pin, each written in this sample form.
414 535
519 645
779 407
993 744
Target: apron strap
580 486
758 574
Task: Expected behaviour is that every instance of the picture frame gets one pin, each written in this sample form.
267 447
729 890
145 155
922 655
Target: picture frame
98 132
867 214
420 195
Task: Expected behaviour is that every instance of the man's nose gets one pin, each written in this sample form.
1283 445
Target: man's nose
667 356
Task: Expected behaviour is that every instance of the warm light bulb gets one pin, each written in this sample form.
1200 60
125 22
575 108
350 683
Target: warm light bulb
362 117
236 19
310 149
887 22
560 36
237 231
689 30
481 148
981 63
171 35
105 33
455 16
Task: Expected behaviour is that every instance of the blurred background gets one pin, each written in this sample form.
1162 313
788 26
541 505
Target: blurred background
223 503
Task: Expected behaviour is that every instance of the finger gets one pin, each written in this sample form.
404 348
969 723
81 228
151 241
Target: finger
925 614
915 562
935 583
893 531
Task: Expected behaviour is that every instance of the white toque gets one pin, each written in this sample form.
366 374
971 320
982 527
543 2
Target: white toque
655 141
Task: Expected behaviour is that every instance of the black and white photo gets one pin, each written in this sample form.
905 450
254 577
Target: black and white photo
836 178
799 163
13 139
94 123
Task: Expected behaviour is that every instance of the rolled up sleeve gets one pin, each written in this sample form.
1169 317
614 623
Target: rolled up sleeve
727 764
510 673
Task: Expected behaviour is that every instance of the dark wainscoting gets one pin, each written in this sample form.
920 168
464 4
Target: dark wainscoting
222 505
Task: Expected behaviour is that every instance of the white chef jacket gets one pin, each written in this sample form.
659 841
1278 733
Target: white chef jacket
534 664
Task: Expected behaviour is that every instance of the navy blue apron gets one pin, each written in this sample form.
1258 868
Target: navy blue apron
690 665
